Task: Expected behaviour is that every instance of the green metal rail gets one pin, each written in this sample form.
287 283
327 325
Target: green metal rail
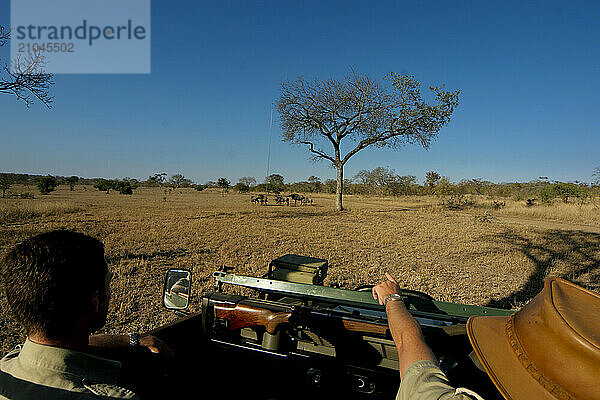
417 305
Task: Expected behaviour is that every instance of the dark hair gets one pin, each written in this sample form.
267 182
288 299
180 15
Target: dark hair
49 280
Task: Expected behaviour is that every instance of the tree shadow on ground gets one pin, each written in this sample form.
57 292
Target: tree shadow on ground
572 255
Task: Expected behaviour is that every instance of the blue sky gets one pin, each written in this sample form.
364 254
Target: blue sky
528 72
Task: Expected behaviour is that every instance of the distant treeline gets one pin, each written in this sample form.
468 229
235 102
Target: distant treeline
378 182
32 180
385 182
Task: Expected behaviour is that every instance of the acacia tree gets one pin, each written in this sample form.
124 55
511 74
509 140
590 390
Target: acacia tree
249 181
384 181
361 112
379 179
431 179
178 180
224 184
25 78
157 179
275 183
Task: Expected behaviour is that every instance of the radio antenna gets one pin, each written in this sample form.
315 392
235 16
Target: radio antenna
270 135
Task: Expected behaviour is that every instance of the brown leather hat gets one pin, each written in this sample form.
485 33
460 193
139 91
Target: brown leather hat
550 349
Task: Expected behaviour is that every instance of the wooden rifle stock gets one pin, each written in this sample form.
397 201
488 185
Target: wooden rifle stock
365 327
244 316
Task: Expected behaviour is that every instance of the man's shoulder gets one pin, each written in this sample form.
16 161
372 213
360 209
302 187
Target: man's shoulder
425 380
24 380
12 387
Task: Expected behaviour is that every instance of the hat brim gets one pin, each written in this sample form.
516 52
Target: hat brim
488 338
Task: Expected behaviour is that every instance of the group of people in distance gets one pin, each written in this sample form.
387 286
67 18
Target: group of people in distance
57 287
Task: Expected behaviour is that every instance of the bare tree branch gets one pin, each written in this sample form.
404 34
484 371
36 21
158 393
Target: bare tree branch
4 36
319 153
25 78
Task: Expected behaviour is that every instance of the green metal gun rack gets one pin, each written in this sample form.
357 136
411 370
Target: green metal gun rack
419 306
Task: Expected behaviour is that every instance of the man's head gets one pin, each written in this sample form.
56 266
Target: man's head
55 279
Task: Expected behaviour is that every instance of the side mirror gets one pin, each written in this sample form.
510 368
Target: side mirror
178 285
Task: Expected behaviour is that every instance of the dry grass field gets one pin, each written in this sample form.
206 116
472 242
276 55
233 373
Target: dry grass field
478 255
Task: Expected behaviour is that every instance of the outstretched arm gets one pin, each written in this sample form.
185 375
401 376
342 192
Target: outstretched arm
405 329
421 377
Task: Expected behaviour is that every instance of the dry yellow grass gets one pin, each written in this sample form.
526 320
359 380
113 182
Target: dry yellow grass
15 210
588 213
448 254
577 212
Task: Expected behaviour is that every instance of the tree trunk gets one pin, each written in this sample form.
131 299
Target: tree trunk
339 188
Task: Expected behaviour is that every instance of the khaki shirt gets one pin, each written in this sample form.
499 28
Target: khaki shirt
35 371
424 380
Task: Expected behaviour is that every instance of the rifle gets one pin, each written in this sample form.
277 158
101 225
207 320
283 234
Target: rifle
241 315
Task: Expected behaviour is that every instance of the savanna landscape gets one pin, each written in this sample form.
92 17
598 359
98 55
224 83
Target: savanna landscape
479 253
449 146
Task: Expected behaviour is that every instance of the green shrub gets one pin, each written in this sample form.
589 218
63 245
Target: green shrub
124 187
47 184
457 202
566 190
241 187
103 185
547 194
